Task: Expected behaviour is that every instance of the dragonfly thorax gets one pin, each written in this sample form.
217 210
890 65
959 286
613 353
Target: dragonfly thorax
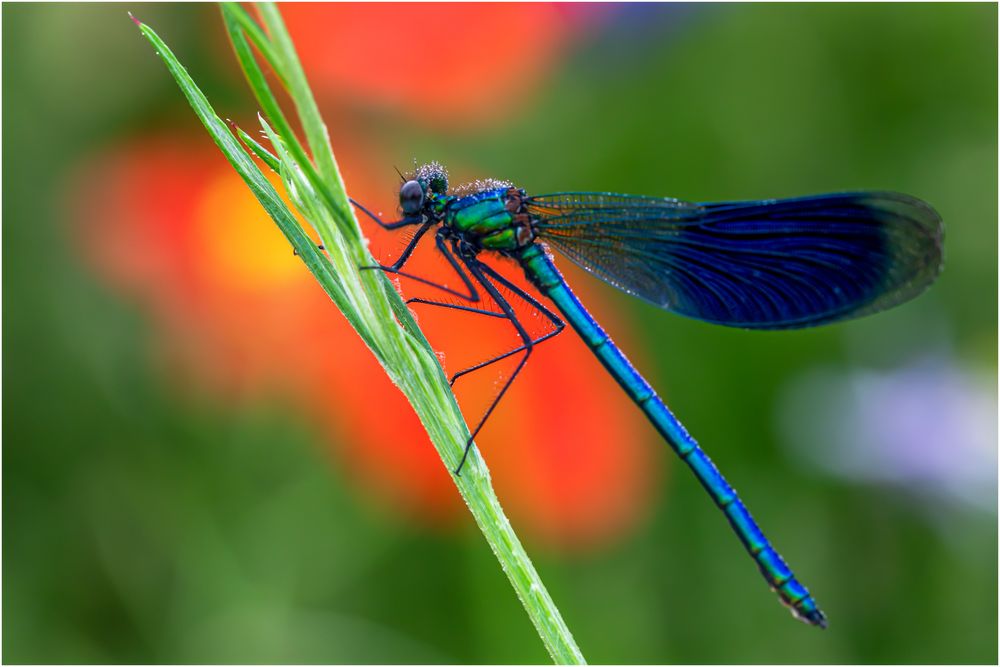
492 219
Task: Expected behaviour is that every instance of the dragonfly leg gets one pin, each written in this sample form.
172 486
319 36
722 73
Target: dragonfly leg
476 268
559 324
407 251
527 298
487 313
552 317
455 306
439 239
500 357
403 222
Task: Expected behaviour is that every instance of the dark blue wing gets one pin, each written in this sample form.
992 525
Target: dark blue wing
774 264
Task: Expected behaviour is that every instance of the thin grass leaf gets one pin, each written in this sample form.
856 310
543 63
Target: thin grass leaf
265 155
232 15
256 35
298 87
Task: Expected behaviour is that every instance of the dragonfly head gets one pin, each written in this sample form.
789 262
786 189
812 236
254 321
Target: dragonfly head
428 183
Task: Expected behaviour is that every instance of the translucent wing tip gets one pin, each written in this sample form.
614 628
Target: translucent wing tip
916 233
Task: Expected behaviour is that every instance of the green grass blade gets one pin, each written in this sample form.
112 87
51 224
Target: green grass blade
374 309
233 16
266 156
298 88
255 33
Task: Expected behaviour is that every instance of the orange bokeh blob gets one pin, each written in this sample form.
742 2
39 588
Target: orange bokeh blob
238 241
235 314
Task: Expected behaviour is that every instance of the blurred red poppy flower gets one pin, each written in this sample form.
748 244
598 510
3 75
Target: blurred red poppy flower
442 63
166 221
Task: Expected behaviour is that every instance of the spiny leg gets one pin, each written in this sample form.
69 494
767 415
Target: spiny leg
488 313
475 268
403 222
556 321
527 298
501 357
408 250
439 240
455 306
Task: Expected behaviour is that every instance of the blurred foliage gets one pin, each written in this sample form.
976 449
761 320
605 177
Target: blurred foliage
143 525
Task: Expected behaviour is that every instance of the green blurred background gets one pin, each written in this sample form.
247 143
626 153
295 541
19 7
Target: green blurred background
146 525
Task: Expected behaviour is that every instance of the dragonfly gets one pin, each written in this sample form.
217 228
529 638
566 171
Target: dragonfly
769 264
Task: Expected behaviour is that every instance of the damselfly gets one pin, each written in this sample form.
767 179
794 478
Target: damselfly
772 264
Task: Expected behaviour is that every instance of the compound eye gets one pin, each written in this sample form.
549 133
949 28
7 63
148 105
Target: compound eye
411 197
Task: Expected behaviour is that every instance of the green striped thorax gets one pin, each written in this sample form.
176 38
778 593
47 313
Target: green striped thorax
488 215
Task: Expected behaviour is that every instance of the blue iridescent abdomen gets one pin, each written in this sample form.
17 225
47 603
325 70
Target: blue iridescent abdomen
546 277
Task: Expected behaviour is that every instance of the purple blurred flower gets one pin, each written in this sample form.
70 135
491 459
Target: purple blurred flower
929 427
